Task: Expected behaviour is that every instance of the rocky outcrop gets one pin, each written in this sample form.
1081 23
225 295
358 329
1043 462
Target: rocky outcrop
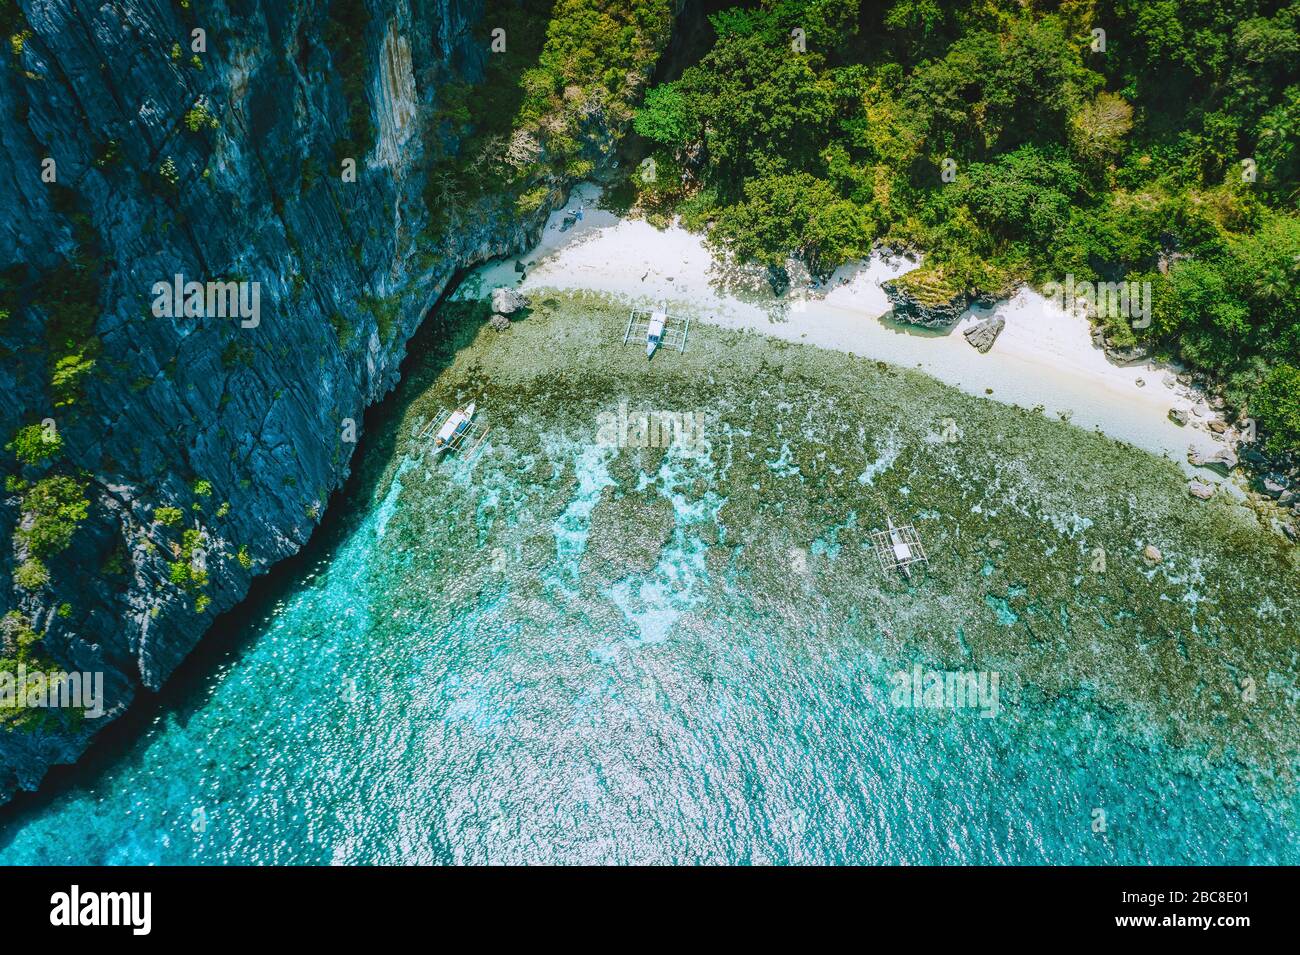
910 308
924 299
507 301
983 334
288 154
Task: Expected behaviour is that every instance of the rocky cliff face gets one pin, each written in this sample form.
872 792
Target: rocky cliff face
206 446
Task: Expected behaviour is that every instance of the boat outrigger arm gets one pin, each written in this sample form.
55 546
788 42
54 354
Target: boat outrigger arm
659 328
898 548
453 430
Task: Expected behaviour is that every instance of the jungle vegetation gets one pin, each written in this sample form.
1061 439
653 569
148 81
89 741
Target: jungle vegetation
1163 148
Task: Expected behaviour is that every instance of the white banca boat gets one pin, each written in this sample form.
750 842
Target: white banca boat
658 328
454 430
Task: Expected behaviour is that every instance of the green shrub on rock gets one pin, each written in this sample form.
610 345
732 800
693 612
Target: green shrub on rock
167 516
52 509
35 444
32 575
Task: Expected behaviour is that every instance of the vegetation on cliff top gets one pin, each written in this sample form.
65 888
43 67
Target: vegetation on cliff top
555 98
1011 142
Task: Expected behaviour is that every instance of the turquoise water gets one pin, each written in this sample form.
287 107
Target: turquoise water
562 654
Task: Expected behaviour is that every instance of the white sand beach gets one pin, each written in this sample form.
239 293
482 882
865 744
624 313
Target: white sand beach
1044 357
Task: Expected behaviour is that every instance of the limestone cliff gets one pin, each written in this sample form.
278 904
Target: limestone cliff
134 149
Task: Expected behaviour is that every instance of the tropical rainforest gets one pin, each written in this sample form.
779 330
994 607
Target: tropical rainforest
1015 141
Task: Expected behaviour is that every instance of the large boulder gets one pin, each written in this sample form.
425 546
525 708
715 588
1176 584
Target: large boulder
507 301
1127 354
1222 460
983 334
1200 489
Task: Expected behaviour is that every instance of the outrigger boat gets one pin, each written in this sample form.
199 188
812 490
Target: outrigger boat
452 429
654 333
660 329
898 548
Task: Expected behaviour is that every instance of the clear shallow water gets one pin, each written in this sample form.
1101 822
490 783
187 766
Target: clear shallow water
580 653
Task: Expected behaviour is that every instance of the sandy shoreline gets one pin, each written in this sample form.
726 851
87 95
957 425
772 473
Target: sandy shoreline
1044 357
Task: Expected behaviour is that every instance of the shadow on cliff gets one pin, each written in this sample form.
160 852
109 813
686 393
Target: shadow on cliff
429 352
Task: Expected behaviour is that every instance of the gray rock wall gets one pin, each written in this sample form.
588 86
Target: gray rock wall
346 273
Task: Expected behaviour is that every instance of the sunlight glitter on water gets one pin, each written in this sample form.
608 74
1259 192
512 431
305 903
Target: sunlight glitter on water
575 653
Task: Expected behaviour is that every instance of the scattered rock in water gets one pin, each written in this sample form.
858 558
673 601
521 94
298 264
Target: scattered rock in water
568 222
1273 485
1151 554
519 266
498 323
1200 489
1141 383
1222 460
1282 529
983 334
1178 416
506 301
